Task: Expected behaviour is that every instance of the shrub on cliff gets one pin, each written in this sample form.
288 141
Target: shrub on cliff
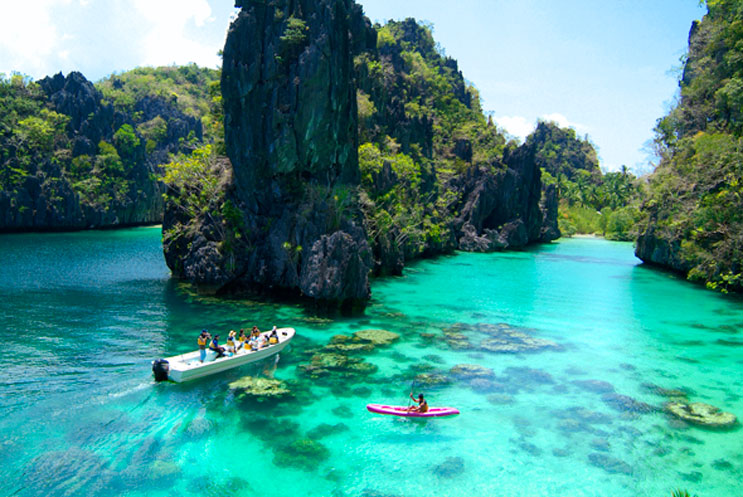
695 206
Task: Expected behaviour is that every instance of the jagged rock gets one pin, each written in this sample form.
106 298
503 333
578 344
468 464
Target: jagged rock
702 414
292 137
46 199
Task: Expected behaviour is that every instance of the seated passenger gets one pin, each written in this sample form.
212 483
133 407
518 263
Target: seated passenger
255 332
214 346
231 342
254 345
241 339
273 338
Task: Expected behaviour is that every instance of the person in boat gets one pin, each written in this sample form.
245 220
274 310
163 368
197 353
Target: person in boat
255 332
254 341
231 342
273 338
241 339
422 404
214 346
202 340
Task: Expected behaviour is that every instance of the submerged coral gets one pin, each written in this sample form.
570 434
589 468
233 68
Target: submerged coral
702 414
260 388
305 453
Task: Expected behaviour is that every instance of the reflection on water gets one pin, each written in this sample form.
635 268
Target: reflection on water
560 359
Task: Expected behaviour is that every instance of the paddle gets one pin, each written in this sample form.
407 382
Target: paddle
412 388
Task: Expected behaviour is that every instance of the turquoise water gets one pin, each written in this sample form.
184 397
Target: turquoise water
84 314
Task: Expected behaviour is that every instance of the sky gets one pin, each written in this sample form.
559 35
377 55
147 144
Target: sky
608 69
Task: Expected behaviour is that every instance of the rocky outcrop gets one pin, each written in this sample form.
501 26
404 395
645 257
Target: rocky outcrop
48 197
291 135
663 249
503 206
701 414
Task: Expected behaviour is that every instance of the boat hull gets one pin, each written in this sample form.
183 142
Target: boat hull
187 367
433 412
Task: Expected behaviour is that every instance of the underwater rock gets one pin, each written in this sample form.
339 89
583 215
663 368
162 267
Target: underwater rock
702 414
692 476
674 394
162 472
362 392
206 486
63 472
457 340
582 415
514 344
431 380
451 467
471 371
500 399
483 385
722 465
329 363
595 386
323 430
609 464
626 403
344 344
427 337
378 338
561 452
198 427
260 388
529 375
434 358
343 412
305 454
600 444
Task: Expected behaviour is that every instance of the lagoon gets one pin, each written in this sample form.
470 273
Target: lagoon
84 314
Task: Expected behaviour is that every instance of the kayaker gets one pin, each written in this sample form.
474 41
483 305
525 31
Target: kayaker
202 340
422 404
214 346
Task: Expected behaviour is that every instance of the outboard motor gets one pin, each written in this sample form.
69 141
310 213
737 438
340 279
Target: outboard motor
161 368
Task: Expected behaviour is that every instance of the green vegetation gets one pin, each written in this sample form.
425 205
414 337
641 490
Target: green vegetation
695 200
419 126
590 202
100 165
32 136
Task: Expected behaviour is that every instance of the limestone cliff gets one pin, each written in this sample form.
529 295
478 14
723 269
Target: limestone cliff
291 137
76 162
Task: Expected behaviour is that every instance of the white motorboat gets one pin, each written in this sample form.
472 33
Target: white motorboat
188 366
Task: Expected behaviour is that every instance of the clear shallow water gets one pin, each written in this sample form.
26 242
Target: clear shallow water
83 315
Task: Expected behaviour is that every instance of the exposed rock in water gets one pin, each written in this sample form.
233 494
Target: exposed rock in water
291 136
702 414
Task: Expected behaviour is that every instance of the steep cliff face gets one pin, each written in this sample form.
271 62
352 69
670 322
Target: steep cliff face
291 136
77 162
693 215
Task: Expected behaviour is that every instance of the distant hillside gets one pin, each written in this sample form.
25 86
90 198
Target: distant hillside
694 213
74 155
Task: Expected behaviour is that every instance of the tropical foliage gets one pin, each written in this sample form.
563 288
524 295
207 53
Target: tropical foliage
695 200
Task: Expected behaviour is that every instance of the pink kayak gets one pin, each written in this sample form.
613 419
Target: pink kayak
433 412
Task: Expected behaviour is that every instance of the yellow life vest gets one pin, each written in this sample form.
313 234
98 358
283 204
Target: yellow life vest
201 341
231 342
273 340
